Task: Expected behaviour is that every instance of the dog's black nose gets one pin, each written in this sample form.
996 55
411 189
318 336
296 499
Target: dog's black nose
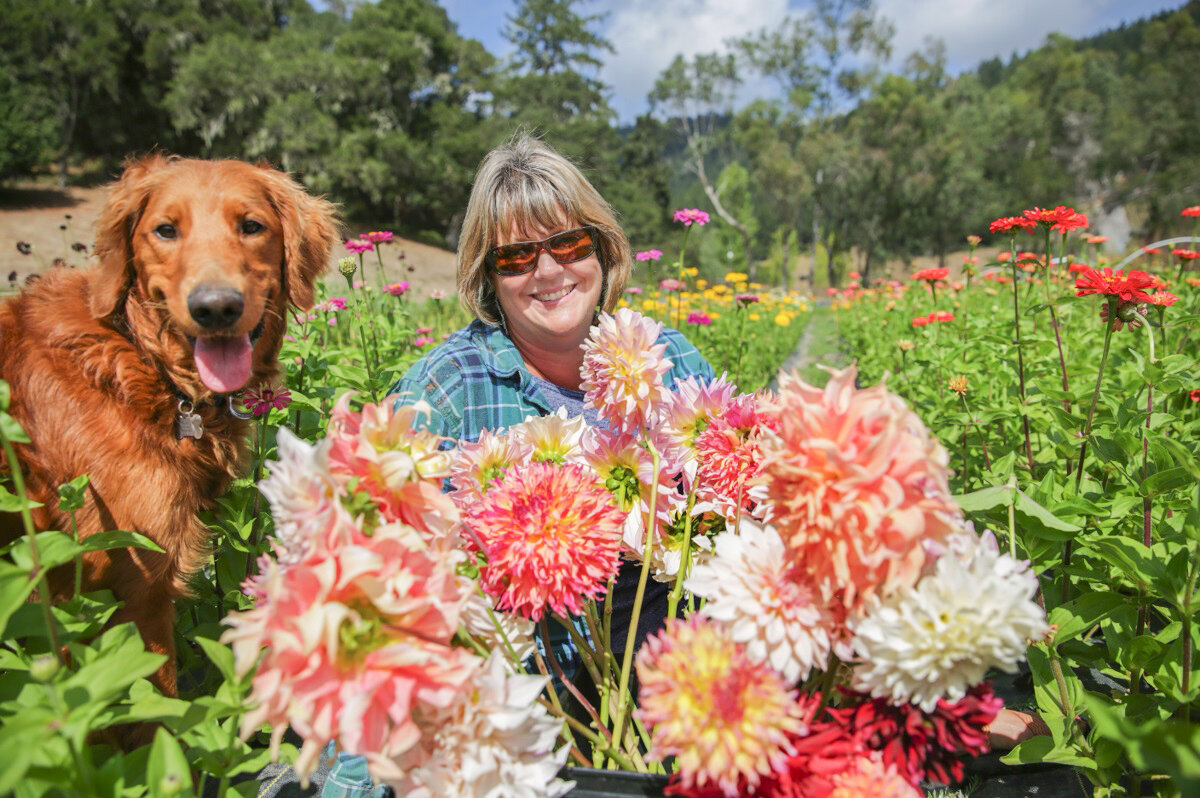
215 306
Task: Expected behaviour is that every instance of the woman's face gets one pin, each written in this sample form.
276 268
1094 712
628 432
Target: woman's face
554 303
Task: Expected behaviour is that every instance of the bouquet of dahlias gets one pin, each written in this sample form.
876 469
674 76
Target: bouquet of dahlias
831 615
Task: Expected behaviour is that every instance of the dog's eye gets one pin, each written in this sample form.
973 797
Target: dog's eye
250 227
166 231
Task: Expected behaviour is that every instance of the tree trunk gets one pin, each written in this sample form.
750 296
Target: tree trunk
783 264
715 199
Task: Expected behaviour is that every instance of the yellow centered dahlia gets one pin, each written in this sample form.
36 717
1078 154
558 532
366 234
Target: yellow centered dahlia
623 370
857 485
478 466
552 537
554 438
725 718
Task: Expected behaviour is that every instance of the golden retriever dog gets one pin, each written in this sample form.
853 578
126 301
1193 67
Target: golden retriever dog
124 371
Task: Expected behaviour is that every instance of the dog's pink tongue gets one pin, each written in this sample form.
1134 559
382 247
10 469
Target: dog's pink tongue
223 363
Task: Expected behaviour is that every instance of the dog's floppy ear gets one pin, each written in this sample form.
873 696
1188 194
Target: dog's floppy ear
310 228
111 278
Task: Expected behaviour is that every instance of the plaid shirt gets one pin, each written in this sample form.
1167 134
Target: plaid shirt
477 380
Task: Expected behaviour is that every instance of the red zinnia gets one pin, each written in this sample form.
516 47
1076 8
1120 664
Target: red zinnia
1152 250
1195 395
1192 211
1010 224
1078 268
1109 283
1163 299
920 321
932 275
1185 254
1061 219
943 315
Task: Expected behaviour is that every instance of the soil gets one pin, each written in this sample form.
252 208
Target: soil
51 220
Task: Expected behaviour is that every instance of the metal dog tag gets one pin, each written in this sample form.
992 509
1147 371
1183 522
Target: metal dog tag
187 423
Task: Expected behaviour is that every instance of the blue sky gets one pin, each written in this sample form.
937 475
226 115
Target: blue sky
647 34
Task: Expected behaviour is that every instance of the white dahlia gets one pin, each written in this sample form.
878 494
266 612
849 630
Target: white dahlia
496 629
494 741
552 438
974 611
302 494
766 604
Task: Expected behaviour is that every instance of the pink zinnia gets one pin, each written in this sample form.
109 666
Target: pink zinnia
423 341
750 299
832 291
857 483
650 254
379 237
397 289
671 285
690 216
358 246
726 719
634 290
552 537
699 319
623 370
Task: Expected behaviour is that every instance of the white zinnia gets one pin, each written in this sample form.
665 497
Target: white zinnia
974 611
496 741
301 492
766 606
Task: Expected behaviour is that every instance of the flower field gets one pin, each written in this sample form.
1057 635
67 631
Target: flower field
1004 480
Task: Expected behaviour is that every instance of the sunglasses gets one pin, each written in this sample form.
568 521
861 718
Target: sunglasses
511 260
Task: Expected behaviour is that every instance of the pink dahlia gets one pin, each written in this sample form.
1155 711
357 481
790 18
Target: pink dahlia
695 403
477 466
870 777
399 464
552 537
767 605
352 643
623 370
730 459
726 719
857 484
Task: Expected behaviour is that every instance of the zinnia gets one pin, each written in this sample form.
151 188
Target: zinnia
690 216
725 718
650 254
552 537
1010 224
857 483
931 275
1109 283
359 246
1192 211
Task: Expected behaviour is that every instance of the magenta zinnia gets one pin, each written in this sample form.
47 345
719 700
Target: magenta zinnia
259 402
725 718
552 537
623 370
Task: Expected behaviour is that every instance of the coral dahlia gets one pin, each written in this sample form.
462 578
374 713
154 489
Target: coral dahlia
552 537
858 486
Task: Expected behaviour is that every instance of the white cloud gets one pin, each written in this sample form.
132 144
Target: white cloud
648 34
976 30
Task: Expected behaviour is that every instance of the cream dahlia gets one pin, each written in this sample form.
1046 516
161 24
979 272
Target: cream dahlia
725 718
553 438
552 537
498 630
935 640
857 486
623 370
302 494
494 740
765 603
477 466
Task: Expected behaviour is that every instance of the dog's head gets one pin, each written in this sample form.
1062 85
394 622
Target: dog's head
221 247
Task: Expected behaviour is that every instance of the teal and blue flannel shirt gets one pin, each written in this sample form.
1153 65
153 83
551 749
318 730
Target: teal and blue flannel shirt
477 380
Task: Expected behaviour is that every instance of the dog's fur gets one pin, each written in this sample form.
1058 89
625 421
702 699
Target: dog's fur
98 360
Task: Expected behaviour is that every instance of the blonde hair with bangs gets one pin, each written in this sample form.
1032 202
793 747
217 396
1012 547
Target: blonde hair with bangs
527 182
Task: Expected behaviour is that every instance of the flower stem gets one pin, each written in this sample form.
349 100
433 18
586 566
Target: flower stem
1087 430
682 251
635 616
1020 355
685 558
1054 325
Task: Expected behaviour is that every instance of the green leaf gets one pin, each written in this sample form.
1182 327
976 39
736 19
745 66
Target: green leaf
986 499
1081 614
15 587
11 503
5 395
1167 481
119 539
167 772
71 494
221 656
10 430
54 549
1131 557
1168 747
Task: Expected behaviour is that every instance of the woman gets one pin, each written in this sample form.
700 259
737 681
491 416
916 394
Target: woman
539 256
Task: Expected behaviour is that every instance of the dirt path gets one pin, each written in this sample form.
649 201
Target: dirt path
52 221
